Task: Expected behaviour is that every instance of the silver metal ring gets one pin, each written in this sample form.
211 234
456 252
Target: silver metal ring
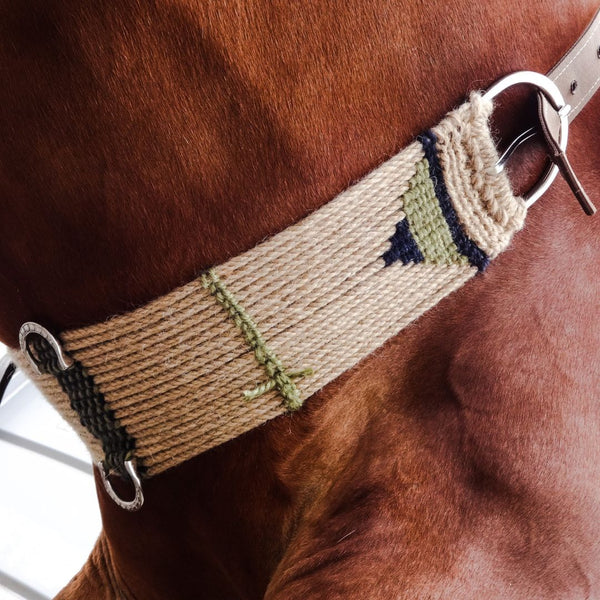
550 90
130 505
64 361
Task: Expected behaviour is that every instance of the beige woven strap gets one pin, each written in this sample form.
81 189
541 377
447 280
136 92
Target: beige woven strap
256 336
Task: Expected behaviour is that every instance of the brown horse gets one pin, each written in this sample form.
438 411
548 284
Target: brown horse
144 142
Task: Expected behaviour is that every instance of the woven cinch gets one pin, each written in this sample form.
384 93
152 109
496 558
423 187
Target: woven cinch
256 336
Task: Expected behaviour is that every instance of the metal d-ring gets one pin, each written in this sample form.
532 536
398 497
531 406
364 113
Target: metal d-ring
64 361
138 499
551 92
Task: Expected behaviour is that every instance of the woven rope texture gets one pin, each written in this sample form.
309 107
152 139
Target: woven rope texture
256 336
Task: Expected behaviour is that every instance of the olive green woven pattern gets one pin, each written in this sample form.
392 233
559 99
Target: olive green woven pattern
426 220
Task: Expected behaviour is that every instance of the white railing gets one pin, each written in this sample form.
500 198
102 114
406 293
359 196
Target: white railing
49 518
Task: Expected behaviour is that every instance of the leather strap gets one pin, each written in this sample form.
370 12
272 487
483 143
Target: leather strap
577 76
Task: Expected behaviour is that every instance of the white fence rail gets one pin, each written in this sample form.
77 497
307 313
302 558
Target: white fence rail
49 518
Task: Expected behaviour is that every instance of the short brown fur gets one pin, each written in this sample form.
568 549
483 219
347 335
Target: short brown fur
143 142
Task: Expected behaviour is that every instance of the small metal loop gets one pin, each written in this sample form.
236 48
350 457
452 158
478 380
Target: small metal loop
64 361
551 92
130 505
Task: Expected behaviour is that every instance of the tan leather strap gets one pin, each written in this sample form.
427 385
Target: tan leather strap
577 76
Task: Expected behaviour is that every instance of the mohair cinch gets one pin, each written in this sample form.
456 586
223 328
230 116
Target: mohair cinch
253 338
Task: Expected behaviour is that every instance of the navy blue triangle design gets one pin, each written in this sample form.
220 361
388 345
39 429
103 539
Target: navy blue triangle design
403 246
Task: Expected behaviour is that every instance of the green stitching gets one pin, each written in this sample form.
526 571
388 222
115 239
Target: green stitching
426 220
278 378
263 388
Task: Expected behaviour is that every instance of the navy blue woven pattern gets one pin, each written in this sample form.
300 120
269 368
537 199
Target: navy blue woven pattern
88 402
403 246
465 245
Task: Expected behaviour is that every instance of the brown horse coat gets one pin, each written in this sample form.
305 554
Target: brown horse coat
143 142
